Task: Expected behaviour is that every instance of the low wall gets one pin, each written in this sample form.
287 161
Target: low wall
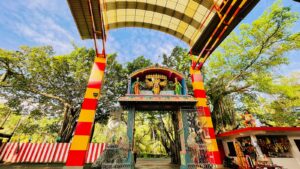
44 152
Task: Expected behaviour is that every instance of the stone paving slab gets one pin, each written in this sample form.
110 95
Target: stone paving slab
155 163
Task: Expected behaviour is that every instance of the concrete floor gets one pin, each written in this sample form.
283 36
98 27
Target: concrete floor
154 163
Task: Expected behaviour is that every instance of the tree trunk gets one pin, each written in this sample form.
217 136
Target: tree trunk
175 147
69 124
171 144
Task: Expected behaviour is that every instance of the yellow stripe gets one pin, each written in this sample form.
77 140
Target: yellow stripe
201 102
211 145
198 85
87 115
79 142
206 121
182 26
193 71
191 8
89 94
100 60
96 75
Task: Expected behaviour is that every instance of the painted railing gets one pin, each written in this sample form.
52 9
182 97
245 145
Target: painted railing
44 152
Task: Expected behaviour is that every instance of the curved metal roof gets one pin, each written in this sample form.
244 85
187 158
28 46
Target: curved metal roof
188 20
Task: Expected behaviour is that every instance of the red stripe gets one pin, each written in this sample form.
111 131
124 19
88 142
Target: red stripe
95 152
59 153
64 152
94 84
26 152
252 129
203 111
76 158
8 151
100 66
16 152
92 152
221 34
37 151
55 151
87 158
101 55
98 150
32 153
22 151
43 145
46 153
211 132
2 153
83 128
89 104
199 93
67 152
214 157
2 147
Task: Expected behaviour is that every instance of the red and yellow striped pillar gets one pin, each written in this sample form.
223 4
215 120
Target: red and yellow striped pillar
204 117
81 139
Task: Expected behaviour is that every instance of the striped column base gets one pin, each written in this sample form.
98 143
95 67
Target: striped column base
81 139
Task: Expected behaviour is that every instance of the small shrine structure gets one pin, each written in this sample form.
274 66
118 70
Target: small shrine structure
157 88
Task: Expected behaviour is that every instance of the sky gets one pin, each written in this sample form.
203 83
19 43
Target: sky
49 22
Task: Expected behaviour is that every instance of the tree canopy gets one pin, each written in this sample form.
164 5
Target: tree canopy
243 66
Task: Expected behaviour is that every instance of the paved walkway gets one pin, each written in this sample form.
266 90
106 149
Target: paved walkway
154 163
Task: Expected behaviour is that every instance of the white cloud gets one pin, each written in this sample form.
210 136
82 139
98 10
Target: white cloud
135 42
40 22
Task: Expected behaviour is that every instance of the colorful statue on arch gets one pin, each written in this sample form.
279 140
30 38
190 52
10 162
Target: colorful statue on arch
157 82
249 120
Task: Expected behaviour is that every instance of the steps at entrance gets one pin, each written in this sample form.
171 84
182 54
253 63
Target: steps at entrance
154 163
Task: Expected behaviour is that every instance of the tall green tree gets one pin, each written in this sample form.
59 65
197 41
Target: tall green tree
243 65
35 81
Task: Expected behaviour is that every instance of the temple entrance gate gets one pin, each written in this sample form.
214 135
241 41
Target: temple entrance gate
167 91
203 25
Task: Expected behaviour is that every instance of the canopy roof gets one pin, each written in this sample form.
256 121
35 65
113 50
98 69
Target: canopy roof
192 21
261 131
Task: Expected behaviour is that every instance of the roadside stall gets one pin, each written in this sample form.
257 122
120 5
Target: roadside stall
263 147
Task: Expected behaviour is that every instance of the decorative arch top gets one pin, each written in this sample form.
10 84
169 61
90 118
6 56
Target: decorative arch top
192 21
169 73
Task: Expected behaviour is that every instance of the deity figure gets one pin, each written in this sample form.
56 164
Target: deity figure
178 87
136 86
156 82
249 120
194 147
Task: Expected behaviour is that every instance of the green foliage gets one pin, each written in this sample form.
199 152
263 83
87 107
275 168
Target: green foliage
179 60
38 83
28 127
243 65
138 63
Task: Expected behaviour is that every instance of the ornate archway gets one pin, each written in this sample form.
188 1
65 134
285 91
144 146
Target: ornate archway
202 24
